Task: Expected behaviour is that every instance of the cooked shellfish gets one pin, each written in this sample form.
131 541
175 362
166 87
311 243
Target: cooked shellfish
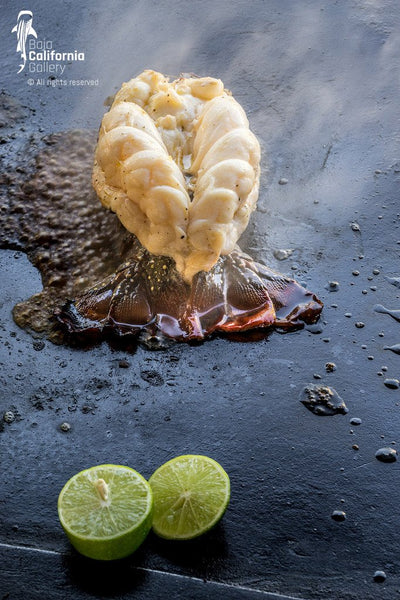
178 164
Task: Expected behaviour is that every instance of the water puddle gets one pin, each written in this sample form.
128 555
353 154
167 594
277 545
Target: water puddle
394 281
322 400
55 217
395 348
395 314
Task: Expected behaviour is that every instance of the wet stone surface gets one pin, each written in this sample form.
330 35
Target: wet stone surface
303 73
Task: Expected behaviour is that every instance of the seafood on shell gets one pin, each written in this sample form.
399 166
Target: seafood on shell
178 164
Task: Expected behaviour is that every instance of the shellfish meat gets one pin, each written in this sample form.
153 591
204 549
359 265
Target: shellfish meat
178 164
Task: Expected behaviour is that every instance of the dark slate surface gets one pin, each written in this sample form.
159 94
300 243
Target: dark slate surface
320 83
72 576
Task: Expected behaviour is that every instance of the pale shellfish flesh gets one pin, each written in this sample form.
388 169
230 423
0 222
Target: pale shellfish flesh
178 164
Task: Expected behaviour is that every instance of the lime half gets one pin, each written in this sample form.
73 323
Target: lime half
191 494
106 511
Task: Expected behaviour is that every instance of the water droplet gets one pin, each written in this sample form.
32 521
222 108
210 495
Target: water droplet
152 377
38 345
283 181
379 576
355 447
332 286
338 515
322 400
376 271
355 227
392 384
283 253
387 455
359 324
355 421
9 416
315 327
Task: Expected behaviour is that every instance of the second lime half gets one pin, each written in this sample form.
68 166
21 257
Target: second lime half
191 493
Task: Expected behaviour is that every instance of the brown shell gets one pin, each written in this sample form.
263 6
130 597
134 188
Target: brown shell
146 293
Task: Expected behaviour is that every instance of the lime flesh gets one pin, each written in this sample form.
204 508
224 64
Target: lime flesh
191 493
106 511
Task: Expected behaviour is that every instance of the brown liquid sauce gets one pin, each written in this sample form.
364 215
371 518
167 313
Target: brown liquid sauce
55 217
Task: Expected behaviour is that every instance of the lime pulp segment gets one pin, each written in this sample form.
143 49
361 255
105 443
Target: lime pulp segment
106 511
191 493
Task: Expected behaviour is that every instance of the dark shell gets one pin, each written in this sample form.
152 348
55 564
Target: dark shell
146 293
